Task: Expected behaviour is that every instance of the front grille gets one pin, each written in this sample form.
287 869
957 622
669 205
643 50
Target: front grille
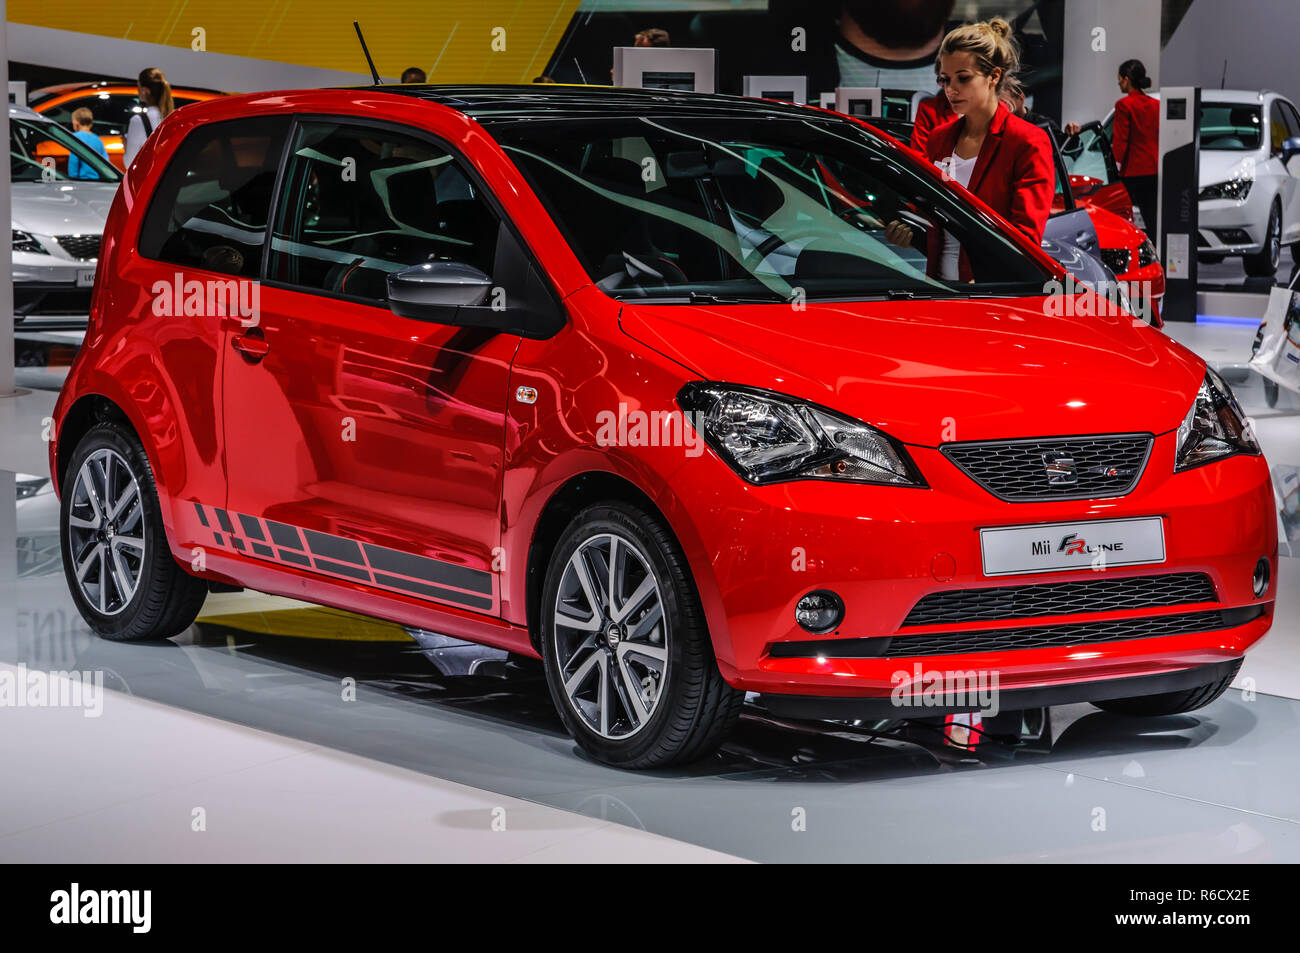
1061 598
1081 467
81 247
1116 259
1029 637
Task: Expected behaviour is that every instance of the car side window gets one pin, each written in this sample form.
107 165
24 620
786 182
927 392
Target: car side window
359 202
1277 130
211 206
1292 119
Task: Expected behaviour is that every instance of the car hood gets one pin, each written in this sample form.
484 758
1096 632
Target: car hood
61 208
932 371
1221 165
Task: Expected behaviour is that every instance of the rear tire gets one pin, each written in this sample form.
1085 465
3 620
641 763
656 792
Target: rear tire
116 558
1170 703
633 676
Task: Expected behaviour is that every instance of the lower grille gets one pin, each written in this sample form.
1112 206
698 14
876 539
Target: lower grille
47 299
1061 598
81 247
1054 468
1030 637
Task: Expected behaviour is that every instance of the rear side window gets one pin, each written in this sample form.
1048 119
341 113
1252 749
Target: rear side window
359 202
211 206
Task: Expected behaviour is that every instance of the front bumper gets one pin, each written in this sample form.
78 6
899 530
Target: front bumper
50 284
1228 227
882 549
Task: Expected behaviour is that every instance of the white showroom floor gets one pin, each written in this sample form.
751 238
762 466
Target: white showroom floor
234 741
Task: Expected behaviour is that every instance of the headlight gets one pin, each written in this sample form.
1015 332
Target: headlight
769 438
1214 428
1146 253
1236 189
25 241
28 488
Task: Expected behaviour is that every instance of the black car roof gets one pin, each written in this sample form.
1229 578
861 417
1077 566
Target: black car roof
555 101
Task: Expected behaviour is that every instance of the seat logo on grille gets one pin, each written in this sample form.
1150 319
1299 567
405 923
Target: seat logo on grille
1060 469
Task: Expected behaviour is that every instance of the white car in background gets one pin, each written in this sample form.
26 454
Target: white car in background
1250 177
1250 165
58 221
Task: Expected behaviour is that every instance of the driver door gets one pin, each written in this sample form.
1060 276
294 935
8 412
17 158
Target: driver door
363 446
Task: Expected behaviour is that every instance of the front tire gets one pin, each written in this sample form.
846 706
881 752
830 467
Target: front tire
1169 703
1264 262
116 558
627 653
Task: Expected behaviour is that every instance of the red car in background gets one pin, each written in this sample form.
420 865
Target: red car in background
113 105
612 379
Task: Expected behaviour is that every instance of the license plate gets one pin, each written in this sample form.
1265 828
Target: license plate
85 277
1058 547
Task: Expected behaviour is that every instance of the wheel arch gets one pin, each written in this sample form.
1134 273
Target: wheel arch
570 497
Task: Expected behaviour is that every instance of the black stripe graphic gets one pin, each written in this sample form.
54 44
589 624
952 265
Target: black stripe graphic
203 518
252 529
283 535
343 569
344 557
333 547
433 592
430 570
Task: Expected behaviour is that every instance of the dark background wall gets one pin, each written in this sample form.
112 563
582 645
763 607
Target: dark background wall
1259 38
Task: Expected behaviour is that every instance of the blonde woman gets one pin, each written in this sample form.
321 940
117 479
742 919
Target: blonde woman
993 153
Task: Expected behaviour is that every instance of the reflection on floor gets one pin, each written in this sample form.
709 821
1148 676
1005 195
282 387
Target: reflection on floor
298 732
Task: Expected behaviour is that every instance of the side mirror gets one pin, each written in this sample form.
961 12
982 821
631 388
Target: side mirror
436 290
1290 147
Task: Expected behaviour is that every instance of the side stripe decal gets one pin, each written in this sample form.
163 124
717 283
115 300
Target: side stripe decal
379 566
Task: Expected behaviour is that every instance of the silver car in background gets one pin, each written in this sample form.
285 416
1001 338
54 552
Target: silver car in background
58 221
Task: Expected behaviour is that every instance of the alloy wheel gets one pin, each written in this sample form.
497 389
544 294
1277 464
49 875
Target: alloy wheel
106 532
1275 238
611 636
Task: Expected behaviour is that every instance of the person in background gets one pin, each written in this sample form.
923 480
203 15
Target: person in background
156 98
543 79
890 43
83 120
652 37
931 112
1136 140
998 156
413 74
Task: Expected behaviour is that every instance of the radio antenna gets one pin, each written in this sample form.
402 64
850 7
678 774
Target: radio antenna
1223 80
364 49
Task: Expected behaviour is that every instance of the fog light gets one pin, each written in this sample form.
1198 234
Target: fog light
1259 581
819 611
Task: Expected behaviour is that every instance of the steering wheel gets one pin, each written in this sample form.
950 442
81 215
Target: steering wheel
773 242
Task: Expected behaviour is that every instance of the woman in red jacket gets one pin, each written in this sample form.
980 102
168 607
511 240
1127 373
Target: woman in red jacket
1137 137
1001 158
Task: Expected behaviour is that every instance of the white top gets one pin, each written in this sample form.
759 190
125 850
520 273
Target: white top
135 134
954 167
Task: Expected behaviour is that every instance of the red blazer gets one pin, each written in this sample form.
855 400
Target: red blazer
1137 134
1014 174
930 112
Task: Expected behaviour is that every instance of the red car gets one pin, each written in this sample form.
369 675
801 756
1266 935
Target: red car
634 382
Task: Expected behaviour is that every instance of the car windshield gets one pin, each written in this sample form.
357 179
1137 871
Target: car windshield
773 209
39 151
1230 127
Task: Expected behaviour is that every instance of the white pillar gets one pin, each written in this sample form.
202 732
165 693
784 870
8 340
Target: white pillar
1099 36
